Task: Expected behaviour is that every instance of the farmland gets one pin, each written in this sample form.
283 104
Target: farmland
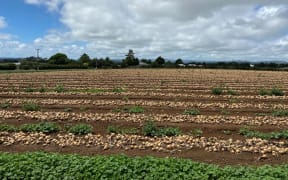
223 117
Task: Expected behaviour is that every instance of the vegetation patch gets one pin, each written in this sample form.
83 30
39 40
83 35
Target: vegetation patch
192 112
272 135
80 129
30 106
120 130
280 113
150 129
217 90
39 165
44 127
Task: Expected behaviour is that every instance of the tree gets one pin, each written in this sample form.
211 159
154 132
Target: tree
58 58
160 60
130 59
84 59
179 61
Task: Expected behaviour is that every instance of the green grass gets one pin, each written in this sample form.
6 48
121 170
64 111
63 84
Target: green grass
40 165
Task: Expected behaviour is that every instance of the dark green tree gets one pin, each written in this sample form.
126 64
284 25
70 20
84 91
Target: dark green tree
179 61
58 58
84 59
160 60
130 59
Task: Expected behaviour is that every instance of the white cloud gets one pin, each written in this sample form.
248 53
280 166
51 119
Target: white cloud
3 23
51 4
191 29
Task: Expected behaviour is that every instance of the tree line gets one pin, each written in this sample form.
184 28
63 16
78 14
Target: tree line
61 61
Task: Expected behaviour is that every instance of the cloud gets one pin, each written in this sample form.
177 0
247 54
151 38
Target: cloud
53 5
3 23
205 30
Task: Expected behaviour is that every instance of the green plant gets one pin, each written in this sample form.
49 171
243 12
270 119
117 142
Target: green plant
227 132
280 113
118 130
264 92
7 128
217 90
231 92
82 109
125 98
80 129
118 90
192 112
43 89
60 88
29 89
95 90
30 106
41 165
247 132
224 112
134 109
44 127
116 110
68 110
5 105
169 131
196 132
150 129
277 92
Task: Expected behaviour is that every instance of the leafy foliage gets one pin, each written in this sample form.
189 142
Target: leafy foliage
41 165
274 91
7 128
150 129
80 129
44 127
280 113
5 105
217 90
30 106
192 112
60 88
272 135
119 130
134 109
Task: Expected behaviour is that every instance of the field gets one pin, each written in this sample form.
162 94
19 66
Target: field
222 117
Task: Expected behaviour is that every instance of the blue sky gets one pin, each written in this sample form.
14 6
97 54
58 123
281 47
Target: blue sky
27 22
253 30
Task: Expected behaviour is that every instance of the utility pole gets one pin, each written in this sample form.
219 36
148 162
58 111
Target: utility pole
37 54
37 51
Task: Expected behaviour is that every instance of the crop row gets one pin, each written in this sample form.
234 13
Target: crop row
207 119
84 94
128 102
162 144
56 166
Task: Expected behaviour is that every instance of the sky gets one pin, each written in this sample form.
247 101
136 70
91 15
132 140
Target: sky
221 30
